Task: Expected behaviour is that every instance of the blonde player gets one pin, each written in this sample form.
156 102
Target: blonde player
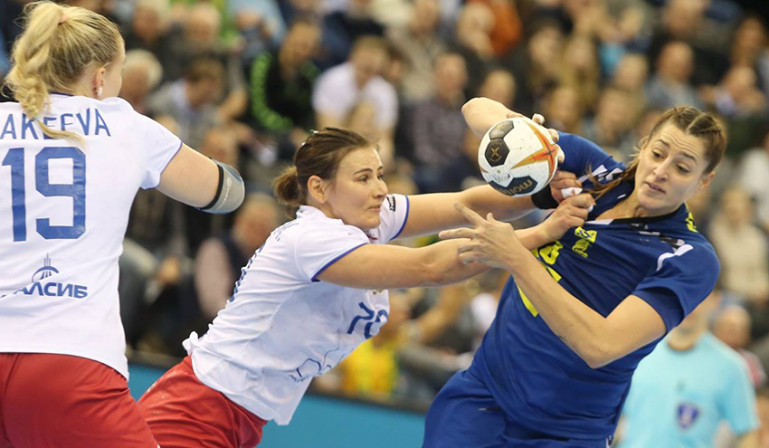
72 157
317 289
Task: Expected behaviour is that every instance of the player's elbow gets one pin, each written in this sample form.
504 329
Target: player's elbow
596 353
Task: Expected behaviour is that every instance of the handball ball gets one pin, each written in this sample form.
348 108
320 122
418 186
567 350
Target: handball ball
517 157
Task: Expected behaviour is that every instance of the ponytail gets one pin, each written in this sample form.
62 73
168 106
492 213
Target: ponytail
287 190
57 45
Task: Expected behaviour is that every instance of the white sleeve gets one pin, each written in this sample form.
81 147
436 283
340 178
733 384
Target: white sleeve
160 146
393 217
384 96
328 97
318 247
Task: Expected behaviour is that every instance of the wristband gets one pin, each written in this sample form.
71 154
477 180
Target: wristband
544 199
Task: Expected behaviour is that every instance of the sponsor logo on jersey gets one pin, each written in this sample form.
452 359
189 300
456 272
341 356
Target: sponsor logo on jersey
390 203
41 286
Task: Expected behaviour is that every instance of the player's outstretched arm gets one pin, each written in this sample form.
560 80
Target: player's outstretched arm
596 339
196 180
431 213
383 266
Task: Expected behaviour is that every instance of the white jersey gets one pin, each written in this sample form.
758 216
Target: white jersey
282 325
63 213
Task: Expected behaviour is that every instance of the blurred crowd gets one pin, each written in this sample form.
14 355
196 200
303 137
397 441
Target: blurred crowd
244 81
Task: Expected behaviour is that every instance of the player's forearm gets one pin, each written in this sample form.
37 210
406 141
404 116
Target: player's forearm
576 324
445 267
483 113
533 237
484 199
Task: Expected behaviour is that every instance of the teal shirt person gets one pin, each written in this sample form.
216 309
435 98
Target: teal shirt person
679 397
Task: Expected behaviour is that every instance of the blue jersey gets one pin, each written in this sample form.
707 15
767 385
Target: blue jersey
535 377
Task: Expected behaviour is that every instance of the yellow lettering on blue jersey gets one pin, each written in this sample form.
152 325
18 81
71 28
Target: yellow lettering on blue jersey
586 238
690 223
549 254
526 302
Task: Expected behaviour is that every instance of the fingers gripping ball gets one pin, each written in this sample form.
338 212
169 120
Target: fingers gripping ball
518 157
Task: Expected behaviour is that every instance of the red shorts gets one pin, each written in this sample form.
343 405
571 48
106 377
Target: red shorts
182 412
62 401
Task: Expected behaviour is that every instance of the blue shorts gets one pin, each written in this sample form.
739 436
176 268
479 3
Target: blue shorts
464 414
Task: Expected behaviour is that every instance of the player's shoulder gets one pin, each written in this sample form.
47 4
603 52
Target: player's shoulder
10 107
312 227
117 104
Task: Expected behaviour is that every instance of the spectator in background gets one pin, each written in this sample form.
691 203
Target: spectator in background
742 249
342 28
201 37
536 66
281 84
750 47
141 74
731 326
220 258
631 74
259 23
672 403
419 43
391 13
340 88
499 85
614 118
669 86
149 29
508 29
581 69
219 143
742 105
439 126
362 119
293 9
191 101
752 176
463 169
5 63
472 39
684 21
737 95
564 110
624 26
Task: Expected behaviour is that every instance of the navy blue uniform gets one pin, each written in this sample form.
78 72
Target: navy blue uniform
526 387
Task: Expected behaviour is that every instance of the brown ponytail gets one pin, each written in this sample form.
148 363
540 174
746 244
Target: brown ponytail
287 190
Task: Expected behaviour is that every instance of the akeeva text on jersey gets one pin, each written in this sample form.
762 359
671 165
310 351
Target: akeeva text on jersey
88 122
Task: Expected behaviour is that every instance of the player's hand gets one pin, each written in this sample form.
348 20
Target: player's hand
540 120
571 212
563 185
491 242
